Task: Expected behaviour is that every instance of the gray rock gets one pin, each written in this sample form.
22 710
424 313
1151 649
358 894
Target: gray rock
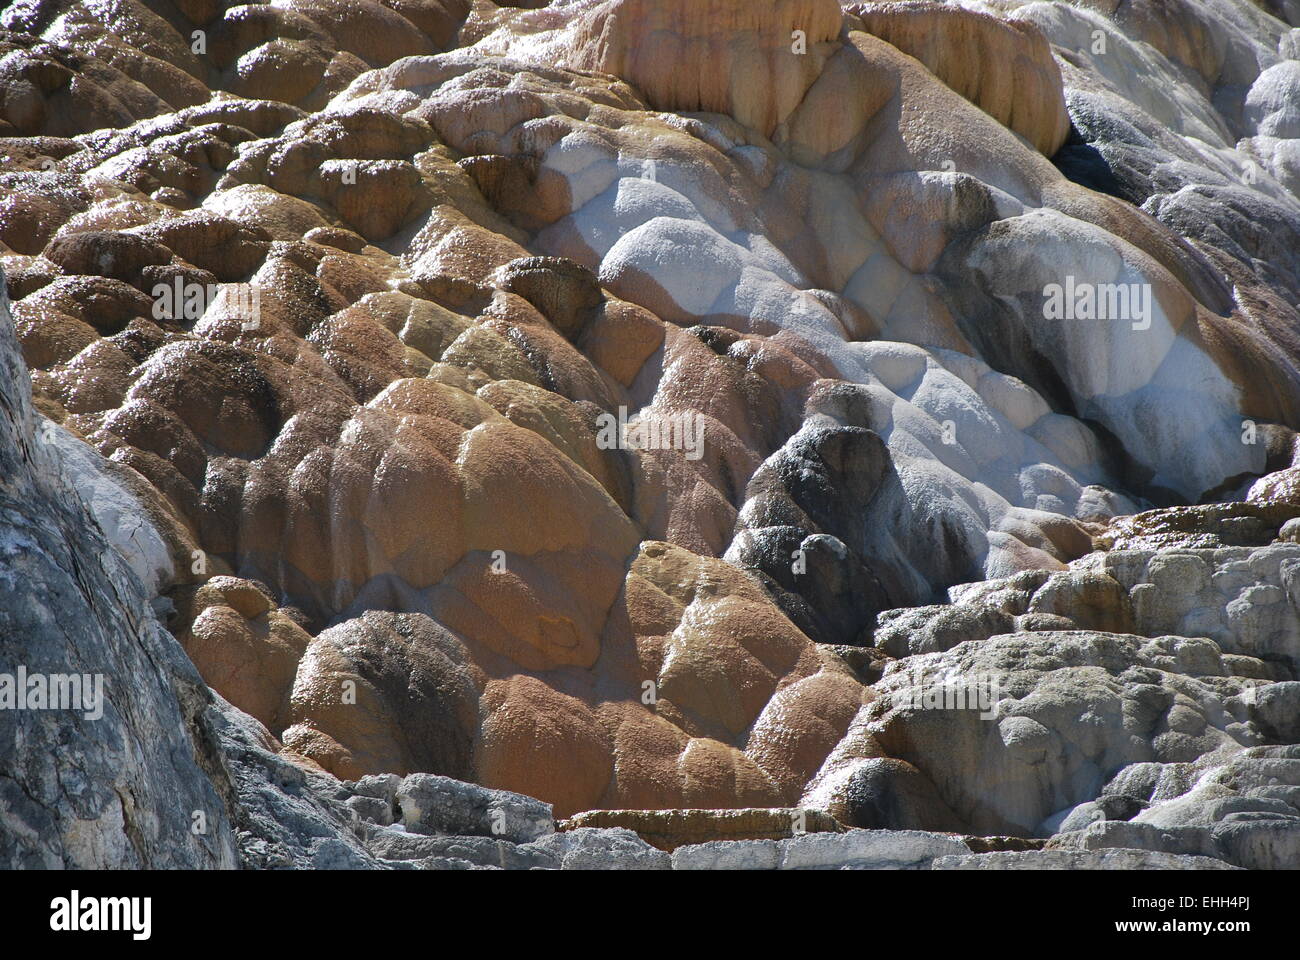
371 809
934 629
441 805
1072 818
811 499
1264 844
1290 795
1245 599
119 513
1111 806
382 786
1005 770
868 848
1277 711
1190 841
287 816
1225 786
1089 598
118 784
591 848
449 863
729 855
332 853
481 851
1079 860
856 849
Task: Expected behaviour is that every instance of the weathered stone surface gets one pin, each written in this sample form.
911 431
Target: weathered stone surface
669 829
1007 753
286 815
1091 860
440 805
729 855
1264 844
868 849
612 433
615 848
1105 834
71 604
856 849
934 629
481 851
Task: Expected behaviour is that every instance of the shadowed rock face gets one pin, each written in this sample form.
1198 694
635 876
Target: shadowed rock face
566 397
71 606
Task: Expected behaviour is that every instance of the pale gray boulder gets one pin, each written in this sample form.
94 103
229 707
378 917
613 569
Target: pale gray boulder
729 855
936 628
1244 810
1276 710
855 849
1242 783
398 845
591 848
868 849
1104 834
1246 599
1080 860
1267 843
1074 818
441 805
1008 763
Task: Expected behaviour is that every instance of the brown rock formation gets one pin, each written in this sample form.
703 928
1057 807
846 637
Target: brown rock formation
1003 67
403 538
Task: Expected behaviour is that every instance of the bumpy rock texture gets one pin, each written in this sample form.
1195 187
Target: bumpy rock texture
805 251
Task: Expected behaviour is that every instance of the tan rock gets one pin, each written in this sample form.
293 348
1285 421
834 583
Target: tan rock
527 728
245 648
719 55
387 693
1004 67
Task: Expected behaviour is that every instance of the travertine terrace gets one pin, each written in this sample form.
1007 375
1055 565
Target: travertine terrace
965 337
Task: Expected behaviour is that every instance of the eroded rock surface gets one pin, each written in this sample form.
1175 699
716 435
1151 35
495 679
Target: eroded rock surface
637 404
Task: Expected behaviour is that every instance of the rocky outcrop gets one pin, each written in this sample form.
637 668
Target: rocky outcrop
1003 67
90 674
152 770
754 62
984 697
653 406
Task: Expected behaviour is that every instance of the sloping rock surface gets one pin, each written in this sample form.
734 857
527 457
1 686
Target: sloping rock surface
650 405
